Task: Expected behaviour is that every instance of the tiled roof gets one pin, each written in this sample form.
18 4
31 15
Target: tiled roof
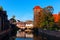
55 17
37 7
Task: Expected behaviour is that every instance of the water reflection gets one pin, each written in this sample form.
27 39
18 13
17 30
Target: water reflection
36 37
22 35
24 38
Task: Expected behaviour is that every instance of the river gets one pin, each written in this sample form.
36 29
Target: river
24 38
34 38
27 36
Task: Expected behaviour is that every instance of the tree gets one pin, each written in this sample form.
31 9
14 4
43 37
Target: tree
13 16
1 8
49 9
49 17
18 20
12 20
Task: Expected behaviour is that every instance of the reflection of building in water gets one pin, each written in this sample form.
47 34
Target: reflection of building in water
21 34
29 35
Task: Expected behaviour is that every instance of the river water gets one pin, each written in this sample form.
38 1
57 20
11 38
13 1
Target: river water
39 36
23 36
34 38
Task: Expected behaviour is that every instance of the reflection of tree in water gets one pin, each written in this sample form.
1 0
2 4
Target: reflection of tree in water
39 37
36 37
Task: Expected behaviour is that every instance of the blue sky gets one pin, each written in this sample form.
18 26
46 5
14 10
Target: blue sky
23 9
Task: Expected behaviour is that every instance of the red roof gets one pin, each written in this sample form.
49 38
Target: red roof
55 17
37 7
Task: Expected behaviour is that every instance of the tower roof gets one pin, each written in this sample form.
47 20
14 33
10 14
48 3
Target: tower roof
37 7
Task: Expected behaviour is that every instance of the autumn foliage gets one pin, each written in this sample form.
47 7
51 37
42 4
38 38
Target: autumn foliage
44 17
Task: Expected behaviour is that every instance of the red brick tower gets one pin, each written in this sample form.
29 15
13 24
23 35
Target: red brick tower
37 10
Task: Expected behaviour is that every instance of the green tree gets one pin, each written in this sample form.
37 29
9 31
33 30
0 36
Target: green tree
13 16
49 9
12 20
18 20
49 17
1 8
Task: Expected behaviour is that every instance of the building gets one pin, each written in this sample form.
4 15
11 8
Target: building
25 26
56 17
4 24
21 25
29 24
37 15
